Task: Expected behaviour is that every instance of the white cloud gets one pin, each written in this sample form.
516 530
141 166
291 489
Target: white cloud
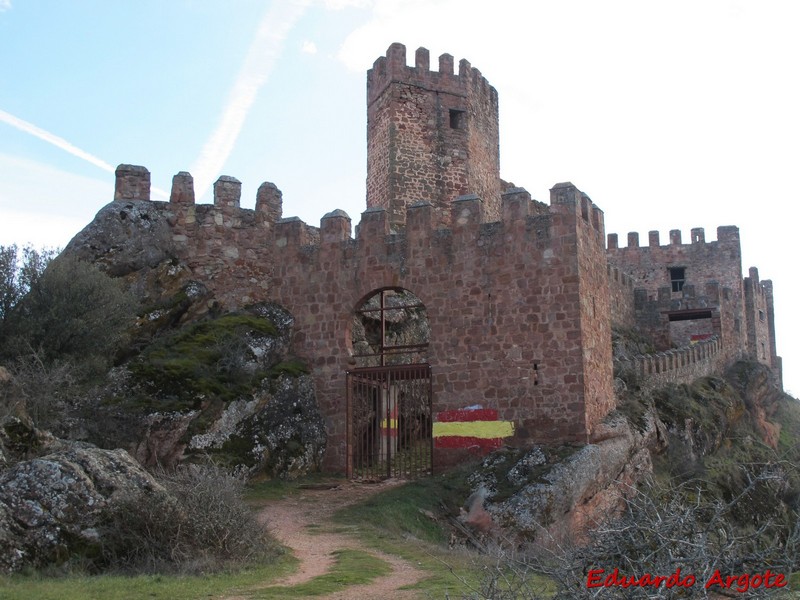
264 51
53 139
309 47
342 4
5 5
63 144
46 206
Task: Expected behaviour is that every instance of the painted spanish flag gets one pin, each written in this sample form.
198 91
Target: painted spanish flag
471 428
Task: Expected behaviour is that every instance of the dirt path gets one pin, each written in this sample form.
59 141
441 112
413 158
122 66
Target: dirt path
302 521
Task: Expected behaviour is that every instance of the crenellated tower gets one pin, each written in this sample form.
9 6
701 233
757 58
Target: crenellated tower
431 136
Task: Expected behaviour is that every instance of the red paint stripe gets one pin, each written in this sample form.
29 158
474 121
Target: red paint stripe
479 414
457 441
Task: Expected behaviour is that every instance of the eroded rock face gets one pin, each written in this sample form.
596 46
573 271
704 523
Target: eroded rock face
225 387
50 506
546 493
125 237
280 432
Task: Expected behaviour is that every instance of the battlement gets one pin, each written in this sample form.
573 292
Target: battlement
393 68
467 219
133 183
725 233
678 365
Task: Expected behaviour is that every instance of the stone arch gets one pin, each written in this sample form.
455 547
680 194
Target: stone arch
389 327
389 401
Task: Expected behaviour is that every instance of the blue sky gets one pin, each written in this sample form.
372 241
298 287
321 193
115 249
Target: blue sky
669 115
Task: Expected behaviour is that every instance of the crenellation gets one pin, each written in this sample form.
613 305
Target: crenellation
227 192
334 227
466 212
269 202
728 233
132 183
182 189
422 59
519 296
516 203
446 65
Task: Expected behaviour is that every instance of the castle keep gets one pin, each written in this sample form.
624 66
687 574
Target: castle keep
463 314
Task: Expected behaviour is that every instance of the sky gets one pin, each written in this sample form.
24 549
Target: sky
669 115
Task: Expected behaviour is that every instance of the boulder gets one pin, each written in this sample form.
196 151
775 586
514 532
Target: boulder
125 237
51 506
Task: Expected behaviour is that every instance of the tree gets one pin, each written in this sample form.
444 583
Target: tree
70 311
19 270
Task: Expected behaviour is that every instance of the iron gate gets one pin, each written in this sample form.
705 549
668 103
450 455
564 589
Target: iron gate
389 424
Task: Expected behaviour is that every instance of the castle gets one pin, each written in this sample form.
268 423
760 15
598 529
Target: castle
463 315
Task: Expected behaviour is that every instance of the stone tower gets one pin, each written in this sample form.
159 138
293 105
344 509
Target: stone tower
431 136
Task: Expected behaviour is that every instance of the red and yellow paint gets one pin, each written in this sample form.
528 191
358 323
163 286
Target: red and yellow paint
389 426
471 428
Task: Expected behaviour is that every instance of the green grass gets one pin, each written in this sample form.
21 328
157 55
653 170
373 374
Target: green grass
116 587
398 521
351 567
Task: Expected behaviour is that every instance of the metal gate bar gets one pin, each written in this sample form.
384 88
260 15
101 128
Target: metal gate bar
389 423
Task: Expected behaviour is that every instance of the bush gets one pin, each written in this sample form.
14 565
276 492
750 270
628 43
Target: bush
72 311
205 527
663 528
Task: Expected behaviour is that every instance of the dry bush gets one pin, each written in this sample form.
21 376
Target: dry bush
203 526
662 529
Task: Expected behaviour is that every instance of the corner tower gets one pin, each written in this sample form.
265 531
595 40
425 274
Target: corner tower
431 136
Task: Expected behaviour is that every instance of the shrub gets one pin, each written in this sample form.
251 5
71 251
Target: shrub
203 526
72 311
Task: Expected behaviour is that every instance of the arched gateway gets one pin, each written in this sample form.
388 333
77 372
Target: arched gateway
389 416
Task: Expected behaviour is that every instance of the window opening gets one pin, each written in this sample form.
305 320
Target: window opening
456 119
677 276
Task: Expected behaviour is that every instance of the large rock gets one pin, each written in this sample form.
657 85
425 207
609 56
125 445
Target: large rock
559 493
125 237
50 506
280 432
226 387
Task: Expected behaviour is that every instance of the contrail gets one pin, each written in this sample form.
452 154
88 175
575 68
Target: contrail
63 144
50 138
257 66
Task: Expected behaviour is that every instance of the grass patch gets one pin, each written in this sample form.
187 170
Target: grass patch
201 361
399 521
351 567
115 587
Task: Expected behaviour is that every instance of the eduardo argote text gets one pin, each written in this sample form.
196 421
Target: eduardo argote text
597 578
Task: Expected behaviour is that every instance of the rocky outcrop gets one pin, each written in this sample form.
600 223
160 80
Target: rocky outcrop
226 387
280 432
125 237
51 506
558 493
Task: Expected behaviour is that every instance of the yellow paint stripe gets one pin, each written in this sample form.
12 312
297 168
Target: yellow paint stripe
478 429
392 424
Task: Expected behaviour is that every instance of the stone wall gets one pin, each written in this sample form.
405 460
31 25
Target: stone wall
503 301
431 136
680 365
713 293
519 309
621 289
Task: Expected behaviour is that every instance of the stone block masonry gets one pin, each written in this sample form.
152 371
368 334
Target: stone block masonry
519 296
518 308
